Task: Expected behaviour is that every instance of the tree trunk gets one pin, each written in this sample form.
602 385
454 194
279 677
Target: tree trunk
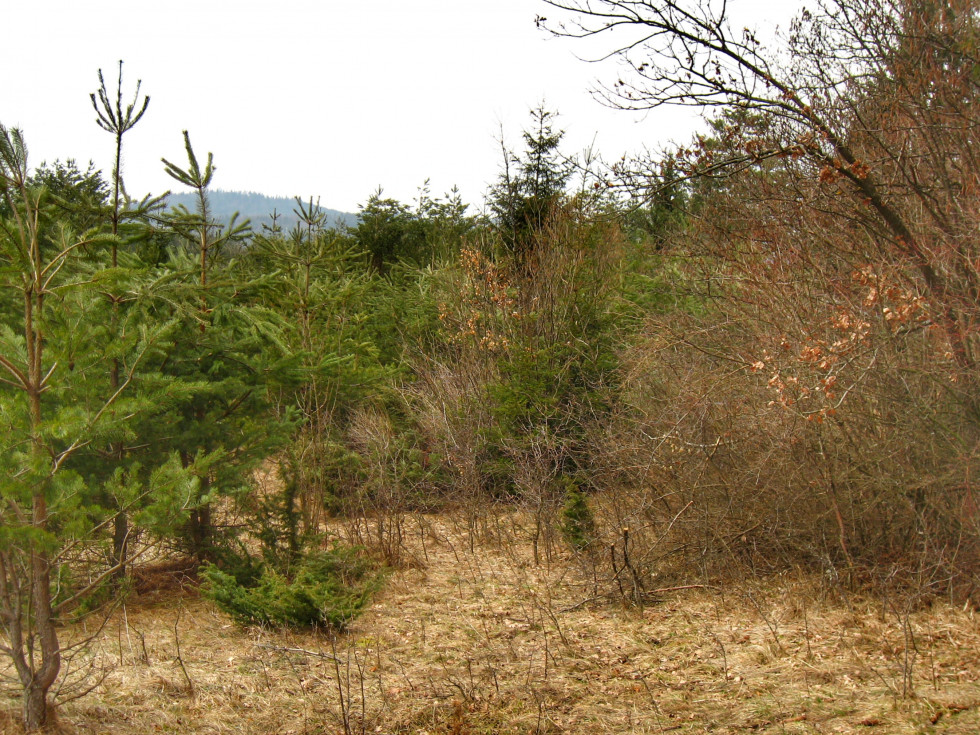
201 533
35 707
120 544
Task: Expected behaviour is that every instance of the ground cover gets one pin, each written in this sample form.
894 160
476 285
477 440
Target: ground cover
471 636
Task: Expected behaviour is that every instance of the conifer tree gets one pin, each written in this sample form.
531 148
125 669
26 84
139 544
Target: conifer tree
319 280
388 231
81 196
229 344
118 121
531 185
54 404
114 120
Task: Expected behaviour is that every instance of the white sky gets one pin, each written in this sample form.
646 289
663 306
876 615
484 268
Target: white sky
322 98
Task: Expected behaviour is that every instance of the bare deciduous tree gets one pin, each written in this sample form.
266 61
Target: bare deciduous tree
875 99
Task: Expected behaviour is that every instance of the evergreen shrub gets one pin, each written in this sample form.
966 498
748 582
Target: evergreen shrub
577 522
328 588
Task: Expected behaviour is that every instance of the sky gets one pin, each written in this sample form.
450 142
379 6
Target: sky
317 97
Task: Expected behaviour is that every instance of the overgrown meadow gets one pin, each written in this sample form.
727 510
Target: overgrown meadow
680 443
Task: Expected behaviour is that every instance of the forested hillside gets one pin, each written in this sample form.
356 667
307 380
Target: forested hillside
259 209
749 357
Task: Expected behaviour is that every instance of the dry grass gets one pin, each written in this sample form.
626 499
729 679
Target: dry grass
483 641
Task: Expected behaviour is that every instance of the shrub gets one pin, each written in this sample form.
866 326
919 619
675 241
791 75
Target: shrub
577 521
328 588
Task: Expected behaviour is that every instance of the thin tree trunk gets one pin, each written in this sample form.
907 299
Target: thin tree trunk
35 707
37 679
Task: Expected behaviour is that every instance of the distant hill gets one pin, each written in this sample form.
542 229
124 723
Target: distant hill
258 208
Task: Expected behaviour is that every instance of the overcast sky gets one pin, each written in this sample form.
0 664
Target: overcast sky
307 97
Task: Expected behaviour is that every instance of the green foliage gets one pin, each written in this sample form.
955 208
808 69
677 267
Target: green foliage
80 386
577 521
388 230
391 232
663 209
542 403
81 196
233 347
352 329
117 122
653 282
317 276
531 186
558 370
444 222
327 588
401 315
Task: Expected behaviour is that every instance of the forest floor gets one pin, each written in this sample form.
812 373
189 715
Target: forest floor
481 639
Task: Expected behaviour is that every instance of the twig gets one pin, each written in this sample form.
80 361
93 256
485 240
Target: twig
180 659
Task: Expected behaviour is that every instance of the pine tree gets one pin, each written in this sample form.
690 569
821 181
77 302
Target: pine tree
127 224
114 120
54 404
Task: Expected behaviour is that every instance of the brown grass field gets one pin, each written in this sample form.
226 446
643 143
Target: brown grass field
481 640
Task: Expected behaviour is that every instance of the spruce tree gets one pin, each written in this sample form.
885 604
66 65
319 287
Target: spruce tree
229 344
388 231
531 185
318 280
